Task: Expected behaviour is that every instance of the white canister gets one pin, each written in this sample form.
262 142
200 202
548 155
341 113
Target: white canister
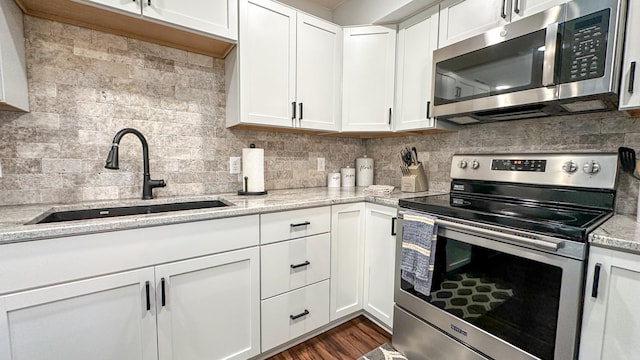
348 177
364 171
333 180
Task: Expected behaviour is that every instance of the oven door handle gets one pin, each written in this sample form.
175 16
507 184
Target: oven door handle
547 245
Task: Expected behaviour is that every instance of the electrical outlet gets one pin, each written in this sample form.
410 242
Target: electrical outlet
235 165
320 164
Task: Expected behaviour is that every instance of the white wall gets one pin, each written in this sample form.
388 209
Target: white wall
310 8
361 12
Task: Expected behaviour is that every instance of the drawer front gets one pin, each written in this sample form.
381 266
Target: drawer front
287 316
294 224
292 264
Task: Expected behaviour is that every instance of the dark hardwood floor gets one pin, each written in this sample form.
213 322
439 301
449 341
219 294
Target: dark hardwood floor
345 342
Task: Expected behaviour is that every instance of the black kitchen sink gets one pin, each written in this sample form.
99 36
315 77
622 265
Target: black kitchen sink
99 213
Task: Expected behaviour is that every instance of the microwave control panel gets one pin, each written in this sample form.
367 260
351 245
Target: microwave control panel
584 47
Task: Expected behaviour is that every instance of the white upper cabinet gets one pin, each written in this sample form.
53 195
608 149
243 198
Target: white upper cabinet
289 69
14 91
462 19
417 38
128 6
267 64
212 17
630 84
318 73
216 17
524 8
368 80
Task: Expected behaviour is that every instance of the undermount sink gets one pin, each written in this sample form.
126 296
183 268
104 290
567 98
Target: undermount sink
99 213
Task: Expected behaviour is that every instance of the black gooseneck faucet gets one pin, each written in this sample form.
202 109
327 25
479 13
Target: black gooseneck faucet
112 162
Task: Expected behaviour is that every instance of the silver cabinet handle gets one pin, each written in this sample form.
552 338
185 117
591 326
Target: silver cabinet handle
503 13
516 7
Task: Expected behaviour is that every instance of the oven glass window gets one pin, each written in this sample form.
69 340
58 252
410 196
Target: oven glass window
513 298
510 66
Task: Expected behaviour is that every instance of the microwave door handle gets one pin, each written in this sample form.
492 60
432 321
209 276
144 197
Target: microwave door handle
550 49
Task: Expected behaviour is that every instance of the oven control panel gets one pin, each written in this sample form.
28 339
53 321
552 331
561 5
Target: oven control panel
595 170
518 165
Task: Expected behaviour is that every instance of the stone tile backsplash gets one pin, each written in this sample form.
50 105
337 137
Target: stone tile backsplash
85 85
600 132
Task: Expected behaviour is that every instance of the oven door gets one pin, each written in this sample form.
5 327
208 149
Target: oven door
504 300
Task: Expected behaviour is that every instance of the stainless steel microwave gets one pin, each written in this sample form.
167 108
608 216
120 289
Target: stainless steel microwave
563 60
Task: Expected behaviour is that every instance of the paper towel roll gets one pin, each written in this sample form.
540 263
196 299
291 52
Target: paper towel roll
253 169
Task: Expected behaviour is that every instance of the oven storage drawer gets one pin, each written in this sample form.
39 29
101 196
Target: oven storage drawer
292 314
294 224
293 264
410 336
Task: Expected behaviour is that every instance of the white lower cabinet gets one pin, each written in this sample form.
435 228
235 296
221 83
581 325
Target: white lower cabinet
209 308
206 308
107 317
610 318
379 262
295 313
185 292
347 259
290 265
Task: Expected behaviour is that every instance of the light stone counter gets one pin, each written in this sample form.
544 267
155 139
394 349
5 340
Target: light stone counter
14 218
621 232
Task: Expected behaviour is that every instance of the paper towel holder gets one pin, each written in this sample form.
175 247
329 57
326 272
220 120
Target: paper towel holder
245 184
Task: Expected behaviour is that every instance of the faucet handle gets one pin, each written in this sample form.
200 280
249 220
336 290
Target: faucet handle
157 183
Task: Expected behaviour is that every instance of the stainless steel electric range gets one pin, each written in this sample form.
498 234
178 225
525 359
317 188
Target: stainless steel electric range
509 260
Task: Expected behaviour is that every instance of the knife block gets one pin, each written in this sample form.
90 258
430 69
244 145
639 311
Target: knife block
416 180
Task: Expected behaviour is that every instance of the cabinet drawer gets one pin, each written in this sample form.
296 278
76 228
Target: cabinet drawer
287 316
293 264
294 224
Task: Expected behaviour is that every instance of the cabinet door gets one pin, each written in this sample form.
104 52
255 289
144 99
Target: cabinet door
268 63
14 91
129 6
610 320
379 262
630 84
368 78
99 318
209 307
347 257
417 38
319 73
461 19
215 17
523 8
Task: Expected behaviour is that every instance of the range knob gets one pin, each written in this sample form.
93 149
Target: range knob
462 164
591 167
570 167
475 164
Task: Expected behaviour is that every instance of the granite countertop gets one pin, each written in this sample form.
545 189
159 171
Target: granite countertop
13 219
621 232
